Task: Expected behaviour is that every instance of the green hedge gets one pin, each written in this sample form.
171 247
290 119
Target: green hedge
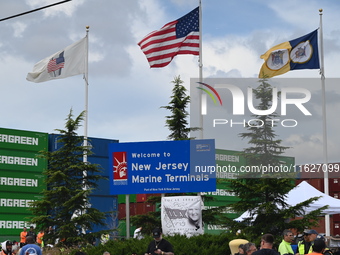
202 245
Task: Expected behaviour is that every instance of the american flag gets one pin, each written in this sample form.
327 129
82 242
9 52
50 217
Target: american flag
56 63
177 37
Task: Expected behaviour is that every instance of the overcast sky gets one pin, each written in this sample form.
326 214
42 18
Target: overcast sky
125 95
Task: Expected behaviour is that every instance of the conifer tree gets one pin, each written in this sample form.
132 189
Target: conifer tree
264 196
65 204
177 121
178 126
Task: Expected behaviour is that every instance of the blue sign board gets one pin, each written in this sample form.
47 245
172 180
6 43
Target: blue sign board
162 167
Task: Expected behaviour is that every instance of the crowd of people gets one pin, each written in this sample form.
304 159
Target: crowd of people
30 243
310 242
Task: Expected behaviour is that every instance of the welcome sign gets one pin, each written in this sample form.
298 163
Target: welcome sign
162 167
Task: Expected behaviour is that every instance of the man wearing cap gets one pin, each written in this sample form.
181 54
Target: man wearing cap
159 246
326 250
285 248
7 248
305 246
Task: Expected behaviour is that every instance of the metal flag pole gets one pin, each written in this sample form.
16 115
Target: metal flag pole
127 215
200 65
86 93
324 124
85 143
200 78
200 41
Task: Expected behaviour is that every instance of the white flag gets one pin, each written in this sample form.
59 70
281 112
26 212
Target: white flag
65 63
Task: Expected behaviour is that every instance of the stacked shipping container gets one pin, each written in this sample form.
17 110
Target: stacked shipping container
21 179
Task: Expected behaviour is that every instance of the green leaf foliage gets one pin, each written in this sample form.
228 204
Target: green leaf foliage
177 121
204 245
70 180
264 198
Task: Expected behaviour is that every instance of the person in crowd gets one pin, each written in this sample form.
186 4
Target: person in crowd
240 250
23 235
249 248
40 238
31 232
159 246
137 234
15 247
305 246
30 247
285 247
318 247
326 251
7 248
49 237
266 247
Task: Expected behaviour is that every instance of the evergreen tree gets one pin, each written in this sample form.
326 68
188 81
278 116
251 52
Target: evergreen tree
178 125
69 180
264 198
177 122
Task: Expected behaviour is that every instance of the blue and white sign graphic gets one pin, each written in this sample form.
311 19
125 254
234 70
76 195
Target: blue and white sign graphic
162 167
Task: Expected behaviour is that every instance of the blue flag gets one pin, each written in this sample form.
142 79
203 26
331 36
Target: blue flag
300 53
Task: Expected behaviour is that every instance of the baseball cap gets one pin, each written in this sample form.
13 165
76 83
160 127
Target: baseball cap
320 237
310 231
156 232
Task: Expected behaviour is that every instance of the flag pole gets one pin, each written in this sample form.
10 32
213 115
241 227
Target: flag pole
85 120
324 123
200 65
86 93
200 42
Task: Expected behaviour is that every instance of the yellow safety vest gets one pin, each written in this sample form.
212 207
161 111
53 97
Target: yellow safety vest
301 248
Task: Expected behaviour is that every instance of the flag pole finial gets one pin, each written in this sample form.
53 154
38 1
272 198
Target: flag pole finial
320 10
87 28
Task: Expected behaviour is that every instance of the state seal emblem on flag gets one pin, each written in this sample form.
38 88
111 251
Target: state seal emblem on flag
302 52
278 59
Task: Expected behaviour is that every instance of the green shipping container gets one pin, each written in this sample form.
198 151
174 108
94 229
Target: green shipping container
23 140
21 161
12 224
17 203
16 181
